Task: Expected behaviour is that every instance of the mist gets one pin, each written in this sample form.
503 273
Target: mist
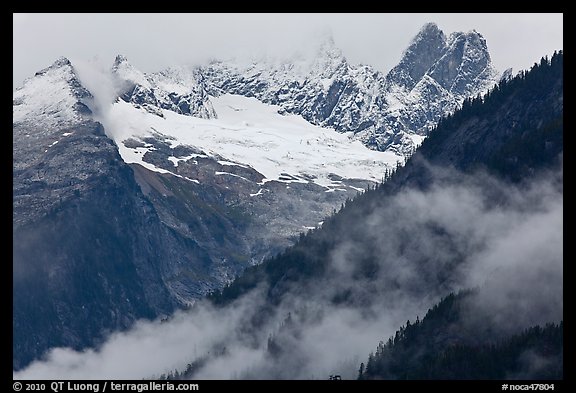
466 231
95 74
378 39
146 350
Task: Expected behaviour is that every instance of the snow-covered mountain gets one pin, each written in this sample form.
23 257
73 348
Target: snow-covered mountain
392 112
53 98
178 89
46 112
174 206
248 134
194 173
254 155
88 250
386 112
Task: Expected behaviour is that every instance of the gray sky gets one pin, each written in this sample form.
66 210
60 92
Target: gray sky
154 41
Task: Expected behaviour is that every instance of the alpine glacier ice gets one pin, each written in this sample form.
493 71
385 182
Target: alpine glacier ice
248 132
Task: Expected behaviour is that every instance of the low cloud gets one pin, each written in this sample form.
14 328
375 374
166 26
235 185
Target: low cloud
149 349
96 76
464 232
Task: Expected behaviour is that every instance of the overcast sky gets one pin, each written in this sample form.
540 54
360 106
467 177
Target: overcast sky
154 41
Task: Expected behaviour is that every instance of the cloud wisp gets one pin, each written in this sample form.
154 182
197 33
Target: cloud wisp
452 236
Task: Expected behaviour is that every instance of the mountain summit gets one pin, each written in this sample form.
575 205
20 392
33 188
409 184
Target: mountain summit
386 112
433 78
53 97
424 50
178 89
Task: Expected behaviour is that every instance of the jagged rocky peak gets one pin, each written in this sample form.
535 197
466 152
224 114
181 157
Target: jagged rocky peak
53 97
178 89
63 69
329 58
460 64
466 66
432 79
59 63
386 112
119 60
507 74
129 75
327 47
424 50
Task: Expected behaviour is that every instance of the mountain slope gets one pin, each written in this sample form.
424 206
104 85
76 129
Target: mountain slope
456 215
167 221
443 346
70 185
176 205
527 108
299 176
91 253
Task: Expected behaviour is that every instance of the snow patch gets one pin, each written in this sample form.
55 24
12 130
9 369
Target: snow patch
230 163
282 148
232 174
260 192
416 139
